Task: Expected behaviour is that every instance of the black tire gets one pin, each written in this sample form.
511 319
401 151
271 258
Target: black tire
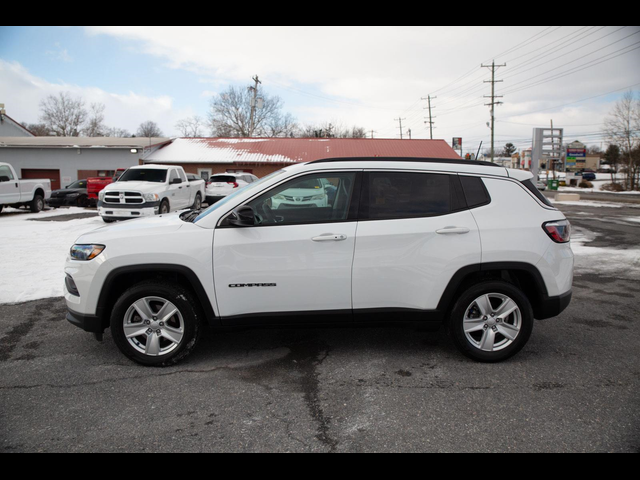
152 294
83 201
197 203
108 220
164 207
1 207
489 328
37 204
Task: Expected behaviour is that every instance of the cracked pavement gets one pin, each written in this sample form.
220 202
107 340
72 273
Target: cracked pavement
574 388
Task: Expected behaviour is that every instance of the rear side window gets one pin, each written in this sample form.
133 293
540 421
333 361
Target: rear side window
394 195
533 189
475 192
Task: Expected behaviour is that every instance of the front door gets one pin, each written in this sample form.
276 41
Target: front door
9 187
298 255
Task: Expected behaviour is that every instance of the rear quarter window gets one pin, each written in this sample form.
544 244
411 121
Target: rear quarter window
475 191
537 193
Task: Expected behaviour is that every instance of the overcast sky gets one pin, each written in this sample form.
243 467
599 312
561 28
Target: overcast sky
362 76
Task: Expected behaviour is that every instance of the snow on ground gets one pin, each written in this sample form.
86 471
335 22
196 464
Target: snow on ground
33 253
601 180
613 262
584 203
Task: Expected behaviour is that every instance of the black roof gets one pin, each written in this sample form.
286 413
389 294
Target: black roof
407 159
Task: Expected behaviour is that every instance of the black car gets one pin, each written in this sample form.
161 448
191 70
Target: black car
74 195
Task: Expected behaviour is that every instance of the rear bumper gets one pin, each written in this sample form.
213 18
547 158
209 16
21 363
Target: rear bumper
550 307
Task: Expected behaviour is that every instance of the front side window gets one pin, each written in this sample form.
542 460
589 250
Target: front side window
395 195
318 198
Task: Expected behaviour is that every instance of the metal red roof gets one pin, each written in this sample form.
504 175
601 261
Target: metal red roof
294 150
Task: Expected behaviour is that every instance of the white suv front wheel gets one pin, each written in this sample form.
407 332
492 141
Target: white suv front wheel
491 321
156 323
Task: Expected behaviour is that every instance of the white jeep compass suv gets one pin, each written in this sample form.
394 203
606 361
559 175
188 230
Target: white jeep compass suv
399 241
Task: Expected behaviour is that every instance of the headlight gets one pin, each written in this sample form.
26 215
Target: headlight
101 195
86 252
150 197
317 197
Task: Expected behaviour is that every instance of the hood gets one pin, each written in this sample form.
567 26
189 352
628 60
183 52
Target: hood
144 227
143 187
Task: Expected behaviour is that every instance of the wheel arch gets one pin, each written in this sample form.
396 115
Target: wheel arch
121 279
523 275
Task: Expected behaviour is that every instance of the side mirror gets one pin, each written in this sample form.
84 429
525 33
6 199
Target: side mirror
242 217
176 181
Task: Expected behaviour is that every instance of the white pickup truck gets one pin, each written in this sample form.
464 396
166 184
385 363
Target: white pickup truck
147 190
18 193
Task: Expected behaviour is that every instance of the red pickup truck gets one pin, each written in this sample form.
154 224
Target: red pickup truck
96 184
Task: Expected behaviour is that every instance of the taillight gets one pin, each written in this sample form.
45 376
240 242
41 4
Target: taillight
559 231
235 184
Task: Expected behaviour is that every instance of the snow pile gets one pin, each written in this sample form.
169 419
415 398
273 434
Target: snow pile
33 253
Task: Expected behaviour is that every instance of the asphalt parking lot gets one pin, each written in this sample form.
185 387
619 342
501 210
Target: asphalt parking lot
574 388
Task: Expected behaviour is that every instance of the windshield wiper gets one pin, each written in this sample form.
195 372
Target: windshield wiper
189 216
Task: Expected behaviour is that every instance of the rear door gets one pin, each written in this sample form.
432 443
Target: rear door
415 233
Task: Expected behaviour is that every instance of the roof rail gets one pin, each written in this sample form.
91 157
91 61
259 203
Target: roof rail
406 159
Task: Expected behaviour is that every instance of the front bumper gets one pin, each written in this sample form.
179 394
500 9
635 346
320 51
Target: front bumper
68 201
88 323
118 212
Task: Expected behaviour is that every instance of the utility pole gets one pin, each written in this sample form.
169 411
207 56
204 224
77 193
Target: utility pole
409 132
400 120
430 122
493 67
254 103
372 132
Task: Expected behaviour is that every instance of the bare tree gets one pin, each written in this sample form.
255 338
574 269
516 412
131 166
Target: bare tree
38 129
63 114
622 127
230 114
149 129
117 132
191 126
95 126
332 130
282 126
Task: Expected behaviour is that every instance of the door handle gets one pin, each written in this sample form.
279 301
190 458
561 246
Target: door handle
448 230
329 237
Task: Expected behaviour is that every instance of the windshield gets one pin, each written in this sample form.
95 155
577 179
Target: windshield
228 198
222 178
144 175
78 184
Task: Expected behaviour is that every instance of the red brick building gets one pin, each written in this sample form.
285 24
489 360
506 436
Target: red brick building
261 156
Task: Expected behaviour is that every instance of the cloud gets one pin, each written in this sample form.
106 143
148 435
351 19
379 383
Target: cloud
59 53
371 75
22 92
